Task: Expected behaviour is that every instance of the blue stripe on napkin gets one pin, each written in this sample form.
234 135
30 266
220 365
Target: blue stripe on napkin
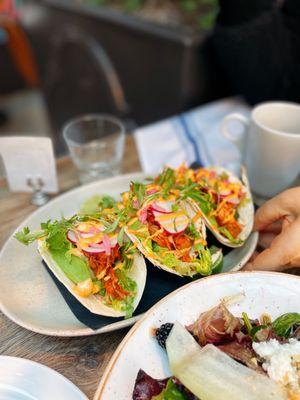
184 125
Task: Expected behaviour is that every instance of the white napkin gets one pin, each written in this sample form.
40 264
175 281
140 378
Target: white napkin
189 137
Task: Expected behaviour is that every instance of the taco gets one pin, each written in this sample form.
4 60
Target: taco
224 200
95 262
170 232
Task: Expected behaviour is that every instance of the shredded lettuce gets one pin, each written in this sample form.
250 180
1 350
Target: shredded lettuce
229 236
130 285
201 265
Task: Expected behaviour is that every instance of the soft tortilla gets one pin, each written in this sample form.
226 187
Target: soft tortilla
94 302
192 210
246 212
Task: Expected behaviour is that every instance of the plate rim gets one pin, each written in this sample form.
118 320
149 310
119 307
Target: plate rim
114 358
37 364
86 331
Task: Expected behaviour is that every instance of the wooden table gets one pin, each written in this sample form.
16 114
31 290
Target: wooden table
82 360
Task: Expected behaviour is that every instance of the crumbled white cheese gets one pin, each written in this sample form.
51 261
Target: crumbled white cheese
281 361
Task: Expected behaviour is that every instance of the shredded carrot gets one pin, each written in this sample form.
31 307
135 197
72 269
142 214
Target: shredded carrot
103 267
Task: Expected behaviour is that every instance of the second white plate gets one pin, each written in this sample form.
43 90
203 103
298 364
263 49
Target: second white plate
22 379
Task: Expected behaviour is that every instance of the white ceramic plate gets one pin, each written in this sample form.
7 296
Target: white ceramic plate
271 293
22 379
28 295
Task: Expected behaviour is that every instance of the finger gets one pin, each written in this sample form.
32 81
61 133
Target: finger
283 252
274 209
275 227
248 267
265 240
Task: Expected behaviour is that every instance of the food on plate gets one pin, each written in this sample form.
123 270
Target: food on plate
169 230
93 258
221 356
224 200
96 253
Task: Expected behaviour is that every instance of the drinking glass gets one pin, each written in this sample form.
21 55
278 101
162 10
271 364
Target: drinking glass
96 145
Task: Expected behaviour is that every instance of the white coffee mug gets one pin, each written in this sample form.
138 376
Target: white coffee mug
269 145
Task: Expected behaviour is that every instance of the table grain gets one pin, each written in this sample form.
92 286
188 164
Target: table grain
83 359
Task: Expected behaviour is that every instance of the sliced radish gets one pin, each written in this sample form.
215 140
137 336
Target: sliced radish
71 236
234 201
143 214
135 204
172 222
93 250
91 231
163 206
225 192
86 235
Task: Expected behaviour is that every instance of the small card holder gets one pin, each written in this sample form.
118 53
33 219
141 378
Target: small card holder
30 166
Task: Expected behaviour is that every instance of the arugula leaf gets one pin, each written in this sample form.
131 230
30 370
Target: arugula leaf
283 325
112 227
57 235
130 286
136 225
192 232
139 189
120 237
247 322
171 392
26 237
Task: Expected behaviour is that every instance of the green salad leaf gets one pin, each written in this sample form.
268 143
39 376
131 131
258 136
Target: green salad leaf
166 178
26 237
247 322
283 325
139 189
96 204
171 392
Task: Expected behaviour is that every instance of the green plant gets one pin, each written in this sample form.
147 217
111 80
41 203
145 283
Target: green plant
203 12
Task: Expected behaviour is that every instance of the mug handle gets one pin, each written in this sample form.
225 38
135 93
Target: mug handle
238 140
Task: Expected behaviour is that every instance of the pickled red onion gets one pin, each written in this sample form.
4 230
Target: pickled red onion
106 244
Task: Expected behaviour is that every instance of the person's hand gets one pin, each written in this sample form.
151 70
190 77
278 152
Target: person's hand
278 222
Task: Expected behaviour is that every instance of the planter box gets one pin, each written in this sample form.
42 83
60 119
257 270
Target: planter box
94 59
